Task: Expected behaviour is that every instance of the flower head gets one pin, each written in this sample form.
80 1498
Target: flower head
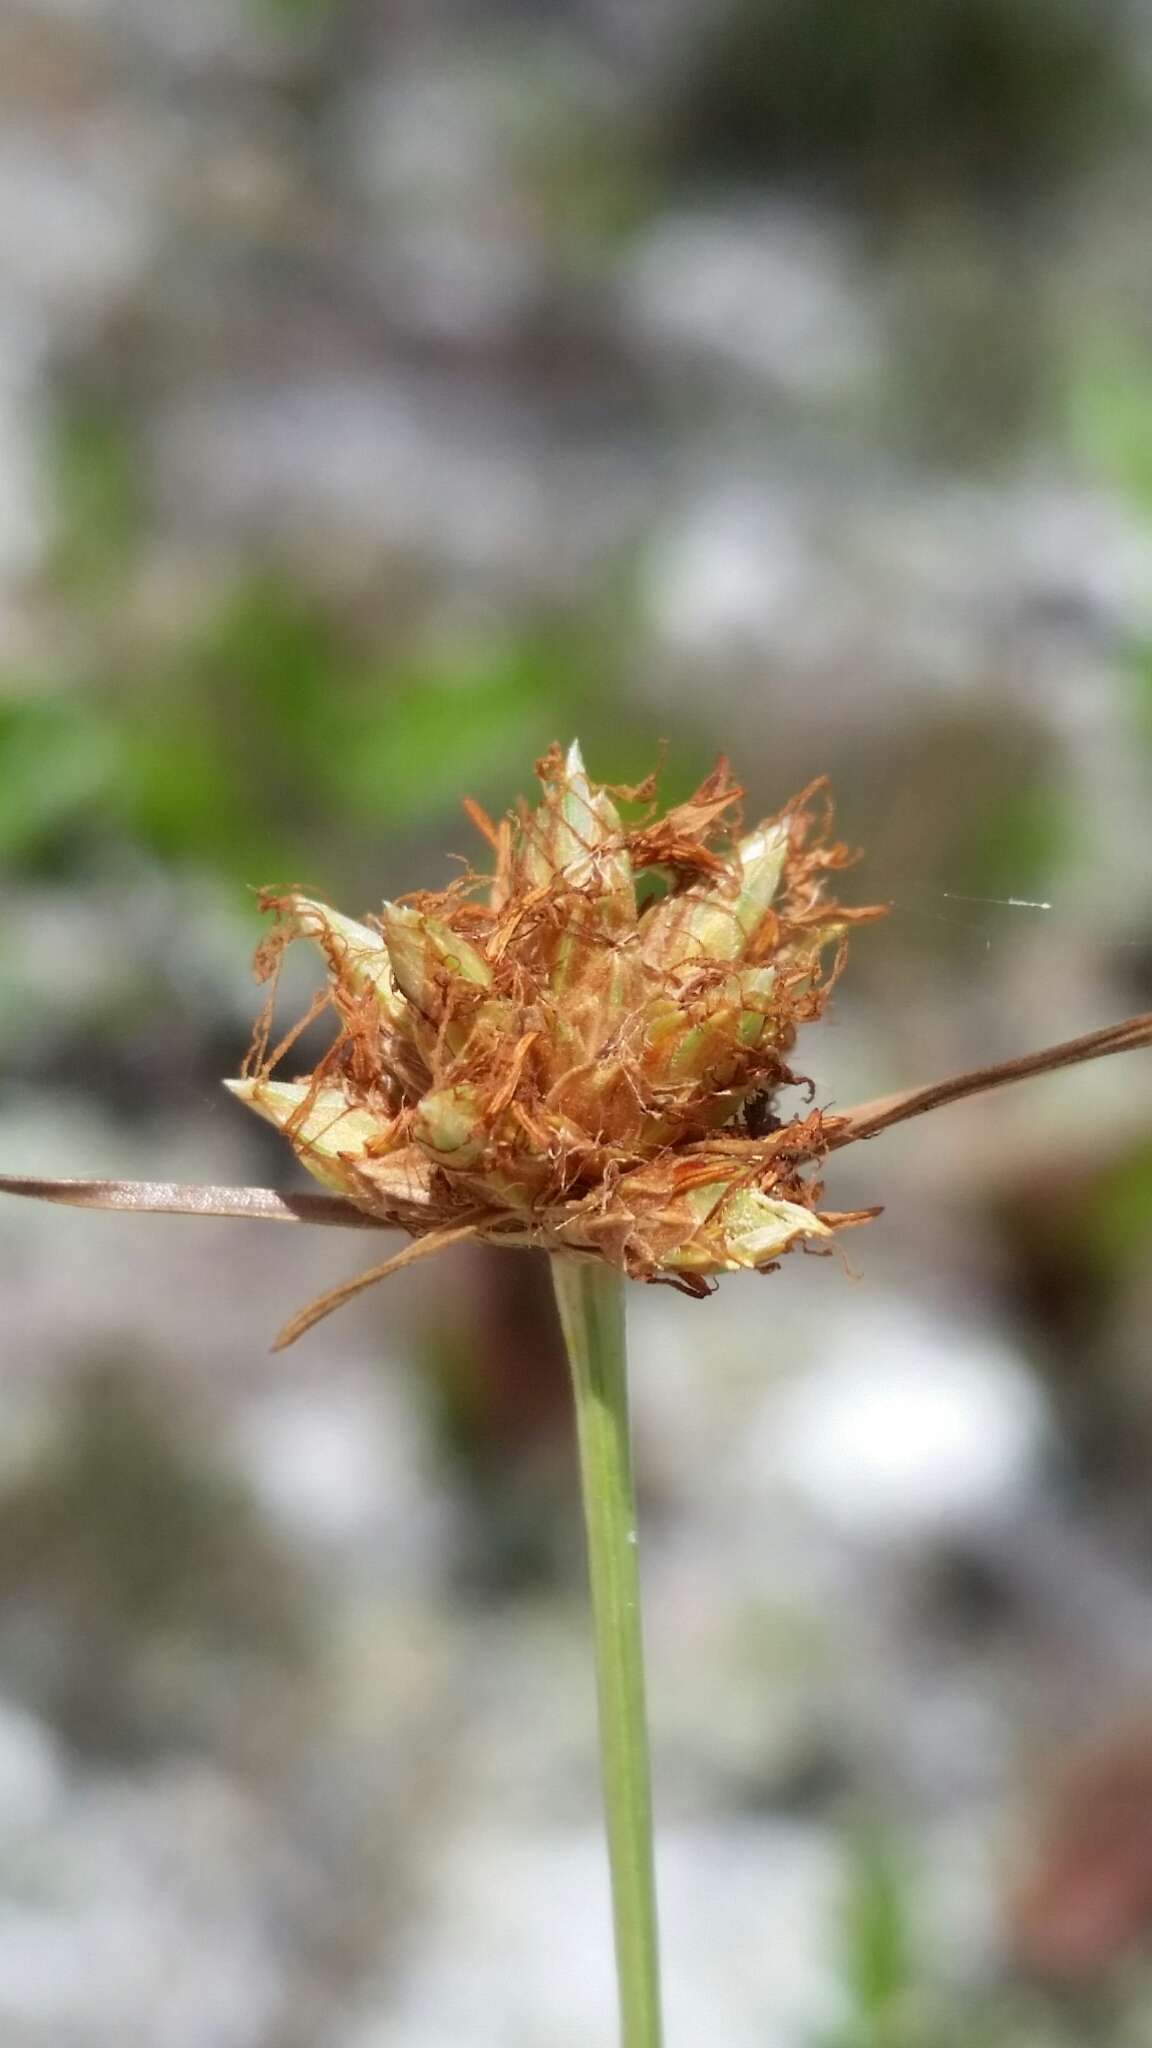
587 1059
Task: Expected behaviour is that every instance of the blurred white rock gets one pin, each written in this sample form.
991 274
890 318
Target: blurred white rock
516 1951
769 291
140 1918
910 1424
32 1774
342 1461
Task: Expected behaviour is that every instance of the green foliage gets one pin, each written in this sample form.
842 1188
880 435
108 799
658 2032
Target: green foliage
997 96
1019 837
98 494
877 1950
456 719
1118 1226
1110 418
276 740
58 759
297 14
591 191
267 738
877 1938
1110 425
892 2003
1142 692
230 755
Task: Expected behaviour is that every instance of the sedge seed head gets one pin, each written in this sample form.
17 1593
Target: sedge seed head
585 1056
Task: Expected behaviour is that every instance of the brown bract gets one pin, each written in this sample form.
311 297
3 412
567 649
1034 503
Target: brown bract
582 1053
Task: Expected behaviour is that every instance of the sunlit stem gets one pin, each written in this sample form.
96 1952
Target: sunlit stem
591 1302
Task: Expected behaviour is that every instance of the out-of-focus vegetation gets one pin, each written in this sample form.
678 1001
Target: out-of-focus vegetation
878 1944
993 98
276 733
155 1584
773 378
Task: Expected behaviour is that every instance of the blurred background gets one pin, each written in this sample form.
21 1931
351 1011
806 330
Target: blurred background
386 389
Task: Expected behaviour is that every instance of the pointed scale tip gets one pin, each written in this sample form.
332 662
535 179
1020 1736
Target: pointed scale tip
574 760
326 1131
420 948
355 953
276 1100
319 922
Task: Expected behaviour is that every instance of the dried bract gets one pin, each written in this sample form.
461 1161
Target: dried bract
586 1060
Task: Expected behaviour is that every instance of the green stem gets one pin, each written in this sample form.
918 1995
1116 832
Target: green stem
591 1303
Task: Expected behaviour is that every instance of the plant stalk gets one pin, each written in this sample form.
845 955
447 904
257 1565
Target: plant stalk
590 1298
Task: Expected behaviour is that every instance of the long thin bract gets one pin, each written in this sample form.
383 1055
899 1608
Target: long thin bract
186 1198
870 1118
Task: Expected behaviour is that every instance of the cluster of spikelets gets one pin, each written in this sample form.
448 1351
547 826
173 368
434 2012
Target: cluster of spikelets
587 1060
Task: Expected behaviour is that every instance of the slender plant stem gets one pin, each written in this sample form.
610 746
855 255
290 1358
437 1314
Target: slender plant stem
591 1303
